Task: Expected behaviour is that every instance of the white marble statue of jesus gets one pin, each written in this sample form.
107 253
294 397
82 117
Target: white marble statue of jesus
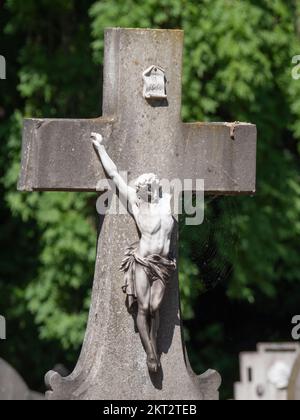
148 265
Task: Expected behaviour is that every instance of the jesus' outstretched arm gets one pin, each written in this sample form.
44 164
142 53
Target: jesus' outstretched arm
111 169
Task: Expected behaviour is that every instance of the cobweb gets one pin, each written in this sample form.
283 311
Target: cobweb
213 246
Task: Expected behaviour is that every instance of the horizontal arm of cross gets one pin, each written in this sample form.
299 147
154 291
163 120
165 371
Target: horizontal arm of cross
58 155
222 154
140 136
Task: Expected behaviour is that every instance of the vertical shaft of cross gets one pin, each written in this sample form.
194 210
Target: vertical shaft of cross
143 129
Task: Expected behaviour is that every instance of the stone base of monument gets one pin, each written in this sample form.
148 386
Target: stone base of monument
188 387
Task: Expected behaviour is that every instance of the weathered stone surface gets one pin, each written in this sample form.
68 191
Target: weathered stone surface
57 154
140 136
12 386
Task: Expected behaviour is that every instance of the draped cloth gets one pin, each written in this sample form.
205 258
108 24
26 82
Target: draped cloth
157 268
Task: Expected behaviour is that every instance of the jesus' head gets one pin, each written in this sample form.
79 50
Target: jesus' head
148 188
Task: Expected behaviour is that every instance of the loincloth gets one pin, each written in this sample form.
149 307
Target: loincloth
157 268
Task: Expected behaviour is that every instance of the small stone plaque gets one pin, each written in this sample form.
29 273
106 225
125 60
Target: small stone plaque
154 83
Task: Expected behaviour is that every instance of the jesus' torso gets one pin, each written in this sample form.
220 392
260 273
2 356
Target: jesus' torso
155 222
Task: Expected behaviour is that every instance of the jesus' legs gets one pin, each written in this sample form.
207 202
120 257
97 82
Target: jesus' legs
143 327
153 333
143 317
156 298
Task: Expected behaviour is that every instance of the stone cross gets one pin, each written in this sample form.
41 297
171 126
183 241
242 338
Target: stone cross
140 136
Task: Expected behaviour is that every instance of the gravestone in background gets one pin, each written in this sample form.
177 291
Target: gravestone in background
265 375
12 386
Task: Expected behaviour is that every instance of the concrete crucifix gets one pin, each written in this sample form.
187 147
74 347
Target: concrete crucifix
142 132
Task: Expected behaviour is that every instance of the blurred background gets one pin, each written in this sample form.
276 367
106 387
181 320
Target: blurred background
240 270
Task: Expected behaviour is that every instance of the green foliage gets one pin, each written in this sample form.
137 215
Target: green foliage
48 293
237 66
